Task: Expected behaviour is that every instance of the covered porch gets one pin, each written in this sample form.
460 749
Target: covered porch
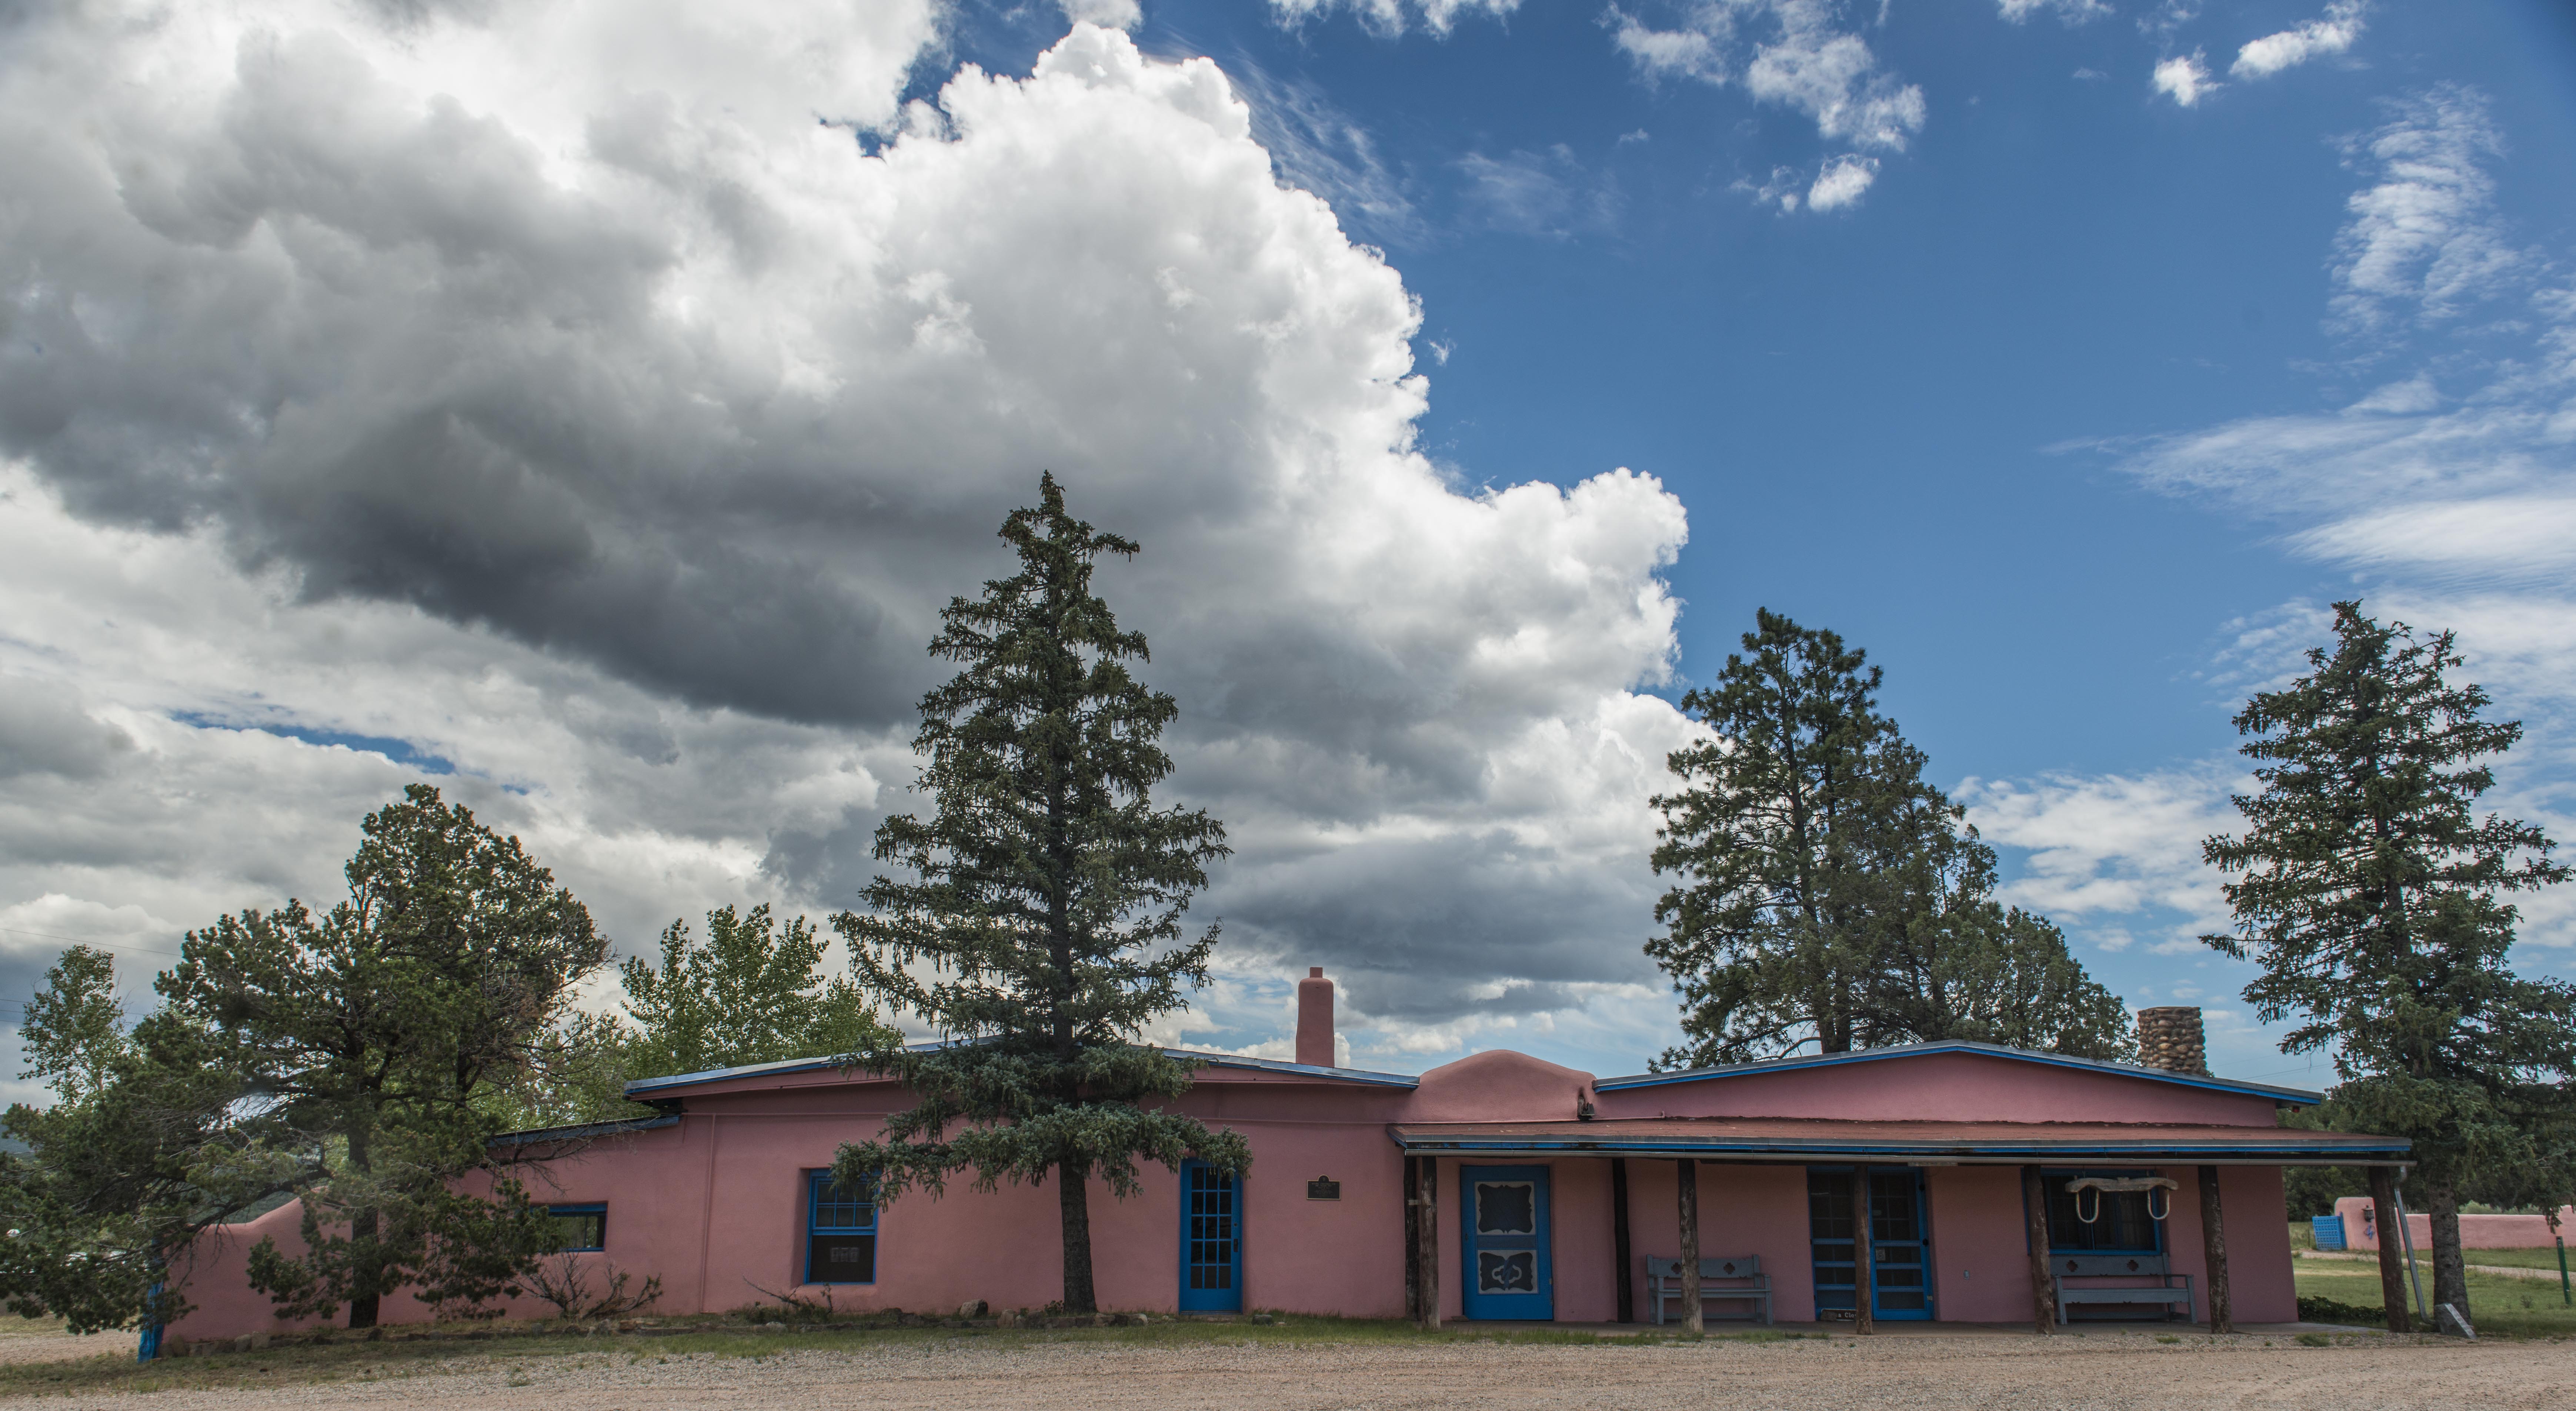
1974 1223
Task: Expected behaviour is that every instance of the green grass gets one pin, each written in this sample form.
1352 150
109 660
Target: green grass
2512 1258
518 1349
2499 1305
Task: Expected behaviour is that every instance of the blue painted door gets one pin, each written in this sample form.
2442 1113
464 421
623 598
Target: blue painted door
1211 1240
1898 1241
1502 1212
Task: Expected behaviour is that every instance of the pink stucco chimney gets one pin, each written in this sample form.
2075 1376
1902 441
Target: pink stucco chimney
1315 1019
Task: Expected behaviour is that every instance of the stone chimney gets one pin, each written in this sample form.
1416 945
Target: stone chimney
1315 1019
2170 1038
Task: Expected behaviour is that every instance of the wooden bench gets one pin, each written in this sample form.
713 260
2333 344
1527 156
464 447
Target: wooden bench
1743 1282
2062 1267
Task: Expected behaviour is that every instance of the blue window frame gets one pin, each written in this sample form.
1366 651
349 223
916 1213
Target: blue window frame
840 1231
579 1228
1211 1240
2121 1223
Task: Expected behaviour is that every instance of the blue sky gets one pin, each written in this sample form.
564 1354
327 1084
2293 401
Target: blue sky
545 398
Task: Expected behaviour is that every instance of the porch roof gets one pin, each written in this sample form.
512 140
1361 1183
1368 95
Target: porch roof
1798 1139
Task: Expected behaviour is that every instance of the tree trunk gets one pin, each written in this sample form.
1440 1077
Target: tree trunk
2213 1246
1619 1255
1693 1321
2450 1266
2392 1262
2034 1202
364 1226
1073 1198
1864 1255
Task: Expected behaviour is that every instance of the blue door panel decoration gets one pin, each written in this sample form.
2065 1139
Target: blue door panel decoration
1211 1240
1900 1242
1503 1219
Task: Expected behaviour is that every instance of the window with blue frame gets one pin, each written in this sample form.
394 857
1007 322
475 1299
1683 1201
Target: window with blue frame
840 1231
579 1228
2123 1222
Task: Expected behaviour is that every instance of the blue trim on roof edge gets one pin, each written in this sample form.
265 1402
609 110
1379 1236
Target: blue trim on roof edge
585 1129
1213 1060
2024 1055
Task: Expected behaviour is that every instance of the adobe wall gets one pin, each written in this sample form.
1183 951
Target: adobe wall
1941 1087
2361 1228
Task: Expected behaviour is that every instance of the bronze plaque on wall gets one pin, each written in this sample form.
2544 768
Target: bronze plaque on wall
1322 1189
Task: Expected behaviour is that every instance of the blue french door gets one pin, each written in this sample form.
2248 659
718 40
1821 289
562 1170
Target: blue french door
1899 1244
1502 1212
1211 1240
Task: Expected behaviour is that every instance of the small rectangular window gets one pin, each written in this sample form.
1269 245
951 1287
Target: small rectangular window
579 1227
840 1231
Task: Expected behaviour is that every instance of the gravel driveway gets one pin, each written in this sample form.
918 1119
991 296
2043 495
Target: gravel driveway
2104 1371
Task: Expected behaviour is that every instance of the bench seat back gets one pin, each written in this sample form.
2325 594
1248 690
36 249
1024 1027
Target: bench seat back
1741 1266
2108 1266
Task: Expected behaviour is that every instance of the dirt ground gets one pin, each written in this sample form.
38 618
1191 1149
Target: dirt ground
2101 1370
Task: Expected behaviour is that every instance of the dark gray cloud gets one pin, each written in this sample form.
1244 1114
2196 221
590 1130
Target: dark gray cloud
649 423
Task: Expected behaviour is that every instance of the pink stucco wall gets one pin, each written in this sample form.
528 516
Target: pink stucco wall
714 1203
2361 1228
1941 1087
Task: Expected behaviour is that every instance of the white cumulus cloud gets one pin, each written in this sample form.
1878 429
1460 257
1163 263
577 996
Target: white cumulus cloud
558 395
2183 78
2331 33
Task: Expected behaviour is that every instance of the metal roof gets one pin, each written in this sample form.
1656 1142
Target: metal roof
2297 1096
642 1086
1827 1139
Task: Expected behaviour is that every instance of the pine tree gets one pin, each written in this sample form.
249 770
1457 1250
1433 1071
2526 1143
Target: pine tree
376 1030
2373 898
1832 894
1044 897
1763 938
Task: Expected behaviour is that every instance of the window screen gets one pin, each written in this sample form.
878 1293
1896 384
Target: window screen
2120 1224
579 1227
840 1231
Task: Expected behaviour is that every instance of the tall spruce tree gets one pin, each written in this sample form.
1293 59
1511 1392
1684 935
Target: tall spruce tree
1043 901
1830 894
2373 897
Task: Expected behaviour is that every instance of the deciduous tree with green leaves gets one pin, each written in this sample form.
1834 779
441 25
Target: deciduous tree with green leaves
1037 921
751 992
2373 896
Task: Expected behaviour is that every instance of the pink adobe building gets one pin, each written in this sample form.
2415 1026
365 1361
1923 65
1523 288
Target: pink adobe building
1539 1193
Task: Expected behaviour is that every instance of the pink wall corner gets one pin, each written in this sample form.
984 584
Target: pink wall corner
1942 1087
1497 1085
1980 1244
2261 1277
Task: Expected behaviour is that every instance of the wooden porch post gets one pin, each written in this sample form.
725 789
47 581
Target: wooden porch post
1688 1169
2213 1243
2034 1200
1412 1239
1426 1210
1864 1256
1626 1277
2392 1263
